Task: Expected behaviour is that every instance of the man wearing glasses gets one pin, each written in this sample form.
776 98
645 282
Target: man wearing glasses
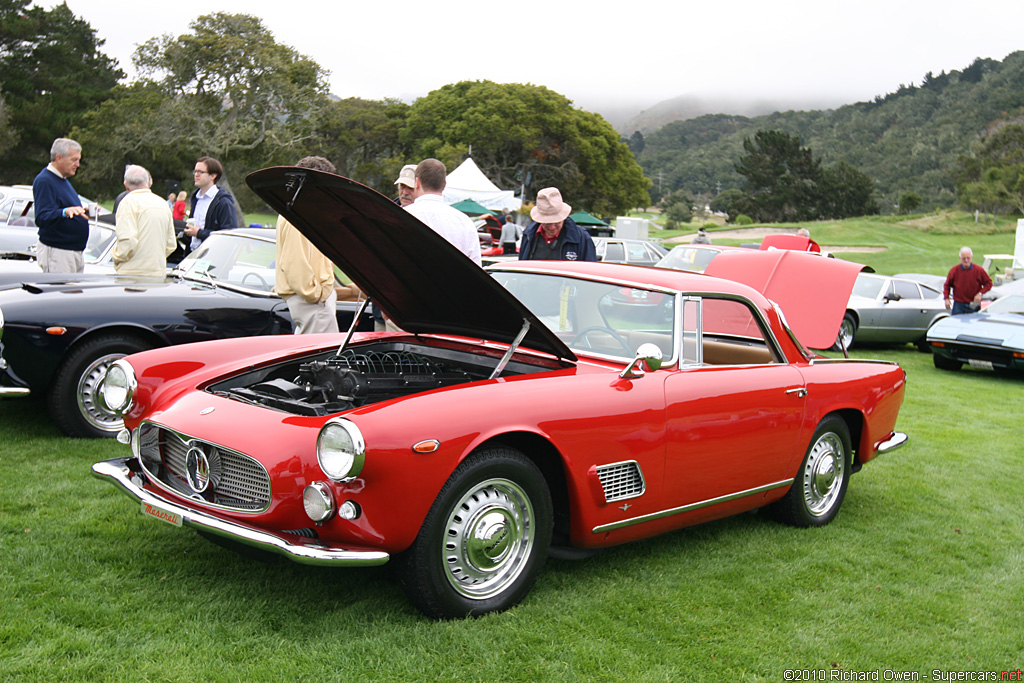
213 207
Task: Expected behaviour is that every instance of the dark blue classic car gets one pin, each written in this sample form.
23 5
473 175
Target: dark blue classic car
60 332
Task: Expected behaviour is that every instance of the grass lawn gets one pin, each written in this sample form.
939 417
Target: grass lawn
923 569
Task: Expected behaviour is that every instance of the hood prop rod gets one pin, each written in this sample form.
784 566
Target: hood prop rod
511 349
296 181
352 327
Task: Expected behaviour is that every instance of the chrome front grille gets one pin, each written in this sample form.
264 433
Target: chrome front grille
621 480
236 481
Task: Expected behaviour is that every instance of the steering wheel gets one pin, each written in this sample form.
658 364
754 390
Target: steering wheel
253 274
581 337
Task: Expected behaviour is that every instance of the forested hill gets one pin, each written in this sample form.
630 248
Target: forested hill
905 141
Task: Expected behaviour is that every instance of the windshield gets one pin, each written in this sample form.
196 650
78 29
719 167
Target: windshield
596 317
237 260
868 286
1008 304
693 259
100 238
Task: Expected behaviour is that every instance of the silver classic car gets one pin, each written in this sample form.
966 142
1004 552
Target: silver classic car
893 310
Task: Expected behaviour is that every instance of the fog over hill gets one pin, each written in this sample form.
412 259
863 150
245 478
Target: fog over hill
627 117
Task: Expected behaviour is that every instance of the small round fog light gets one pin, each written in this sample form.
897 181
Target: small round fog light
349 510
318 502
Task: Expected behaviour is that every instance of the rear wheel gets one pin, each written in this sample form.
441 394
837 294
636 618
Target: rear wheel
485 539
820 486
74 399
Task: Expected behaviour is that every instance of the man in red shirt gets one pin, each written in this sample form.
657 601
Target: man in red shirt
968 283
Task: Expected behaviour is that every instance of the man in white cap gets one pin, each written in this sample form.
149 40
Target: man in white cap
406 185
553 236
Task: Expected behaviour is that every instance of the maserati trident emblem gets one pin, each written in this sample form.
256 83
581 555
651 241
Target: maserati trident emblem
197 469
625 507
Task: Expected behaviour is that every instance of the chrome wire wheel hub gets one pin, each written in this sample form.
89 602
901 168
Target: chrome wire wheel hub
488 539
823 474
90 402
846 333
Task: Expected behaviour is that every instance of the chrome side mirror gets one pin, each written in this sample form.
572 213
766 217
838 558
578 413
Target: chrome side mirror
648 359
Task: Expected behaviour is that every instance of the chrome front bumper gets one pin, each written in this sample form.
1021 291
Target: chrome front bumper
123 473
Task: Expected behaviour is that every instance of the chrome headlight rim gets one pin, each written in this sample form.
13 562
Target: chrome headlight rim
340 450
318 496
123 372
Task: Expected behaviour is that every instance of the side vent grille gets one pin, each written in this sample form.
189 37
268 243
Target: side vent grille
621 480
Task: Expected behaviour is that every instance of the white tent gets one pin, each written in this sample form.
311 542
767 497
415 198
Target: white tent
469 182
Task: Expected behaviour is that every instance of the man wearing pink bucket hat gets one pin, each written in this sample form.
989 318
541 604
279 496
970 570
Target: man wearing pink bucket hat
553 236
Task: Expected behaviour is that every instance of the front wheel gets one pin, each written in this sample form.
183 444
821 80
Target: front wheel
847 330
484 540
817 492
74 399
943 363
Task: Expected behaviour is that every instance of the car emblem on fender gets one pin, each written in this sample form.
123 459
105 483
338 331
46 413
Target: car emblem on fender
197 469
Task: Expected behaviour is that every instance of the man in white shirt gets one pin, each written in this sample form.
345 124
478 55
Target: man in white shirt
144 228
429 207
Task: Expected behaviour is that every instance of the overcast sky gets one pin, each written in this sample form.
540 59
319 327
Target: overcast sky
641 53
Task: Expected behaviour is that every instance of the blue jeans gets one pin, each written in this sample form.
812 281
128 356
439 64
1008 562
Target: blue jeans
961 308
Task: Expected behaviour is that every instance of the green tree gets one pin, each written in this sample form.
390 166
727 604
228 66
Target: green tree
844 192
992 178
727 201
678 206
910 202
782 178
52 73
363 140
226 89
528 136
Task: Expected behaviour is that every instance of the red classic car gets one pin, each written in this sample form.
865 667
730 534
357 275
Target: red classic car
523 410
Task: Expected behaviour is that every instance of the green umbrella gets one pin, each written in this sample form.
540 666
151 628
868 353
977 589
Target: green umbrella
584 218
471 208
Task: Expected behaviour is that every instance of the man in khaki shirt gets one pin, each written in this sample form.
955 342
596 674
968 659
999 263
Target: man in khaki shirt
144 228
305 277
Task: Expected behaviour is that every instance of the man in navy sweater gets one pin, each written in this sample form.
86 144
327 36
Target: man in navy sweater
213 207
62 220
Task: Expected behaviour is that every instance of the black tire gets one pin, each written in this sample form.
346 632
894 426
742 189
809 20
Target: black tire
74 400
847 332
820 486
943 363
485 539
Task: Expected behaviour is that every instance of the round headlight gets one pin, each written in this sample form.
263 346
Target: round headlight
340 450
119 386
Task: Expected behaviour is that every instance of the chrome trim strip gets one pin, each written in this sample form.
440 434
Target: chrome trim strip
119 473
895 441
692 506
14 392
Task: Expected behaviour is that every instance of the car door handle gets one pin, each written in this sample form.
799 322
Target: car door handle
799 391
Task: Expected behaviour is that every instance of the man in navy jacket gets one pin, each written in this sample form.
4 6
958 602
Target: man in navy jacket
213 207
62 220
553 236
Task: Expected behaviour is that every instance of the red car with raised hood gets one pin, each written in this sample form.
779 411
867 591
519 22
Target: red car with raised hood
524 409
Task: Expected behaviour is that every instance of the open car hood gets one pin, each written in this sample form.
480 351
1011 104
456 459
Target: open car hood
811 290
415 276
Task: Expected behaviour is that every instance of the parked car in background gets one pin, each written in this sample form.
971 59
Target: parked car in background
522 408
61 331
891 310
98 256
633 252
992 339
691 257
18 231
